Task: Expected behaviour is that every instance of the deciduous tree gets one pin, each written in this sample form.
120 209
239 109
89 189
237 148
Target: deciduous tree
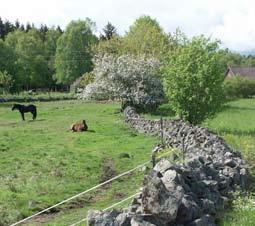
6 81
30 51
133 79
146 37
50 43
193 80
73 55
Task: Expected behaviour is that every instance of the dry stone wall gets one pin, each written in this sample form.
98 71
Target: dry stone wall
190 194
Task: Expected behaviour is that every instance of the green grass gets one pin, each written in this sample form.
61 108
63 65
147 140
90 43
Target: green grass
42 162
242 213
236 123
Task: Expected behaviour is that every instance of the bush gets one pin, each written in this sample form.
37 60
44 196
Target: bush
27 97
133 80
193 80
239 87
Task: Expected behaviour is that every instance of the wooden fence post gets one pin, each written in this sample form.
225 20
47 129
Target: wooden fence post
183 146
153 159
161 131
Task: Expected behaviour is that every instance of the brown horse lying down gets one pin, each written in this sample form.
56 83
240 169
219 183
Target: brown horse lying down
79 127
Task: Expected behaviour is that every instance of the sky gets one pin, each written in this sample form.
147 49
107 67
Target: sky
231 21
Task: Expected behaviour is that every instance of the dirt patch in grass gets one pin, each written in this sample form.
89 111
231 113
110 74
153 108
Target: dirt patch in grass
108 170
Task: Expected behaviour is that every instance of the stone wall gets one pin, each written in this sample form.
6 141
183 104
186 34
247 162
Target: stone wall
190 194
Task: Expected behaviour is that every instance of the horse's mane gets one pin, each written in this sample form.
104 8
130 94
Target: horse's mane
18 105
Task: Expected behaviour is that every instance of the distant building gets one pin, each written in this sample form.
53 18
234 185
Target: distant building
246 72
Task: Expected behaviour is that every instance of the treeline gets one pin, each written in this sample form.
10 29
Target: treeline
7 27
44 57
49 58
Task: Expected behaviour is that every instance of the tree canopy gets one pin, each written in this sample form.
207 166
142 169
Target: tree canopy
146 36
47 57
73 55
133 79
29 47
193 80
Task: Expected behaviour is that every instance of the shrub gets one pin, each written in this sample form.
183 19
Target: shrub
26 97
193 80
239 87
133 80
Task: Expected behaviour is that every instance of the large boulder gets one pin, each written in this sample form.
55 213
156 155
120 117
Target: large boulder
160 202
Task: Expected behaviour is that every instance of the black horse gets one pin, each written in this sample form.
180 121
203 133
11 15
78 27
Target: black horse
23 109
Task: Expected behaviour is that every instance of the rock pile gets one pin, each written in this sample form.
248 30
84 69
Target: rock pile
190 194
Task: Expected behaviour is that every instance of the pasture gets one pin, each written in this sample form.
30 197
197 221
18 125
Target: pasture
236 123
42 162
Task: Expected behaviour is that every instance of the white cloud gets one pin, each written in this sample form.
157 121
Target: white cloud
237 30
231 21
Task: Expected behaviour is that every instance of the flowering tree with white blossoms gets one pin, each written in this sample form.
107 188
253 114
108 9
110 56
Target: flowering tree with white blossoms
133 80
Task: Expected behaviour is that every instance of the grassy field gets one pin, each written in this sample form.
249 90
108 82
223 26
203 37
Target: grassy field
236 123
43 163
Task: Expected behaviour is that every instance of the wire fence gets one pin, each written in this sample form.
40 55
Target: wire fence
81 193
153 160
